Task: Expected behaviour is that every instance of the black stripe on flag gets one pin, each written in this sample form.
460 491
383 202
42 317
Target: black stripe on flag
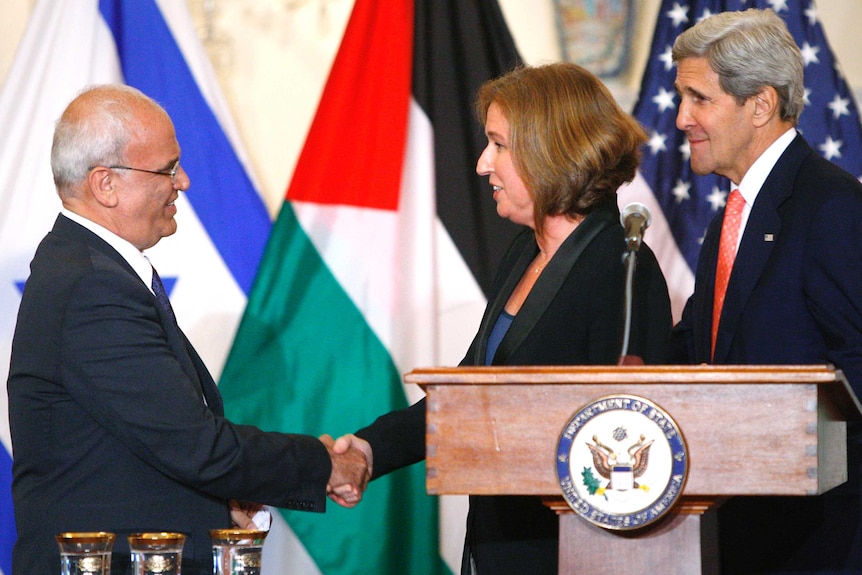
458 45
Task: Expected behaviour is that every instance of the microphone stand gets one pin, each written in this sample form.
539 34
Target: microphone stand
630 259
635 218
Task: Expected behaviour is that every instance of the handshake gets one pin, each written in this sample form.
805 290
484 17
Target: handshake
352 461
351 470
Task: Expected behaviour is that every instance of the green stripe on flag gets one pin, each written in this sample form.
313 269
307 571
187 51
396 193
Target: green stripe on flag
305 361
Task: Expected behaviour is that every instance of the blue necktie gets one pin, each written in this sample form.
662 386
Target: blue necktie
162 296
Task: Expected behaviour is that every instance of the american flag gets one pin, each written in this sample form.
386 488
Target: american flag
829 121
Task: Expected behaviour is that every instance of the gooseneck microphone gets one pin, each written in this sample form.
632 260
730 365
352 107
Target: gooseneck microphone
635 219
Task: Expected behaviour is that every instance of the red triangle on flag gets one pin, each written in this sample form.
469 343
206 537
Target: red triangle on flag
354 151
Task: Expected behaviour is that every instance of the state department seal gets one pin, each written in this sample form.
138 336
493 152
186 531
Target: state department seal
622 462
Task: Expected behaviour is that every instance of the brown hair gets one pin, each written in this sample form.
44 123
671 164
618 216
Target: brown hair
572 145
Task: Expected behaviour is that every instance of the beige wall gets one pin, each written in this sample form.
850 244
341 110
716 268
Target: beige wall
273 62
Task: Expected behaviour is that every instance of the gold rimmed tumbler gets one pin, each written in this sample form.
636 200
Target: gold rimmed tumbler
85 553
157 553
237 551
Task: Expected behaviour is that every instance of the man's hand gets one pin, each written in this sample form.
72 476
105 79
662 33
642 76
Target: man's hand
350 441
242 514
351 470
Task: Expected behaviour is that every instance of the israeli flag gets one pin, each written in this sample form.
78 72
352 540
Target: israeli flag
210 263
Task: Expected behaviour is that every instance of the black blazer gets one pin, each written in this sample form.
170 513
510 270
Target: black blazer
794 297
109 426
574 315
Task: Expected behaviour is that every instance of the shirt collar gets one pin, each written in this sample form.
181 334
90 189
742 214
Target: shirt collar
756 175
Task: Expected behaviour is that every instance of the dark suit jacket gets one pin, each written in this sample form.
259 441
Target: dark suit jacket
794 297
109 428
574 315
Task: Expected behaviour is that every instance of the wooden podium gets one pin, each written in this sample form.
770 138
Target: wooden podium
749 430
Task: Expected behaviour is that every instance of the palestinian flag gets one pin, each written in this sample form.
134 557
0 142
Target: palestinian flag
376 264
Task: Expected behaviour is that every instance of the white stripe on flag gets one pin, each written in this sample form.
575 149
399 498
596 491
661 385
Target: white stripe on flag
57 56
401 268
404 273
284 552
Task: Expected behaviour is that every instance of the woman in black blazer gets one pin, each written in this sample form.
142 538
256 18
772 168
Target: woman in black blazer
558 149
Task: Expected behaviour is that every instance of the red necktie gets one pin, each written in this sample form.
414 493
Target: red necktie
726 254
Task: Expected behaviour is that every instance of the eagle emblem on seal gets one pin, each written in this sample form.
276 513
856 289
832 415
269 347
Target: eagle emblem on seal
621 470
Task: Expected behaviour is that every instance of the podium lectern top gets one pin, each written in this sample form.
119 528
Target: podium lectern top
750 430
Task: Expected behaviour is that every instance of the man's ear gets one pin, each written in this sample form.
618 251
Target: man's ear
101 182
765 106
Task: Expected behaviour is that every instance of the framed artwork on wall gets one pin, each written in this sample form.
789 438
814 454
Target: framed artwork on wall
596 34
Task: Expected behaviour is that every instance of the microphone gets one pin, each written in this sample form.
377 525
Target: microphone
635 218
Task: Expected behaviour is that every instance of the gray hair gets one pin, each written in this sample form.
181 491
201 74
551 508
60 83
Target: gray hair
749 50
94 130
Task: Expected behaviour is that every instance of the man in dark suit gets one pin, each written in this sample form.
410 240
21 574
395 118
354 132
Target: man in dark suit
779 279
116 423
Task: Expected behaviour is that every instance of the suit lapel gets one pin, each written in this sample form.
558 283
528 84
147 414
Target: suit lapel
703 304
529 251
199 374
183 349
547 286
761 234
